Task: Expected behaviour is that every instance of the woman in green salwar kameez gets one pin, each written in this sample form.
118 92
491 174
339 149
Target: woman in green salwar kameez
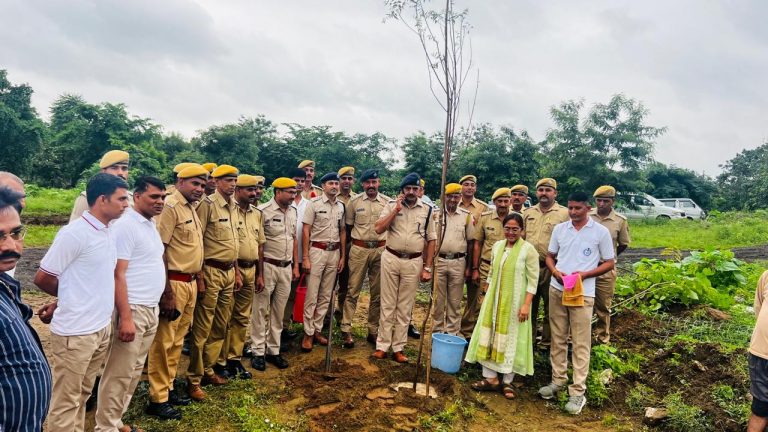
502 339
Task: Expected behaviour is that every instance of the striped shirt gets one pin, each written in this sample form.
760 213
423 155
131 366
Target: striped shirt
25 377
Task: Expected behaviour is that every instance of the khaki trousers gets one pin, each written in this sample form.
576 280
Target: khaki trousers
322 277
165 351
542 295
122 371
268 309
209 327
361 261
343 289
288 312
475 295
76 360
450 290
576 322
399 283
232 349
605 286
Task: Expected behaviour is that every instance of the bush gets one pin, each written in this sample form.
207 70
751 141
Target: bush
710 277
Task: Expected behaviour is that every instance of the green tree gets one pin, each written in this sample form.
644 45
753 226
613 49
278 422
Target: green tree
498 158
21 130
82 132
743 184
673 182
237 144
424 155
611 145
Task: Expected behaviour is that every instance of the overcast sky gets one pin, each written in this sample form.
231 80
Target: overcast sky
699 66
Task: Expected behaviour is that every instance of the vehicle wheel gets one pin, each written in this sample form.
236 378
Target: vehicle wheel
689 218
662 217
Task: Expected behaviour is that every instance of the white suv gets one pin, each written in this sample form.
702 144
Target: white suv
692 210
643 206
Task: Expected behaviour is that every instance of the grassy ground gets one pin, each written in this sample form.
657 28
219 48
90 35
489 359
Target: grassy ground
724 230
40 235
48 201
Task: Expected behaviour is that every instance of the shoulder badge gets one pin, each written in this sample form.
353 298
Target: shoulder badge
486 213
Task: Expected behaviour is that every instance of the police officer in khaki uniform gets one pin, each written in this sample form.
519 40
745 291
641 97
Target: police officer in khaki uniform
219 218
309 190
346 181
113 162
182 235
324 241
280 250
468 201
488 231
210 187
458 228
250 235
519 195
361 214
540 220
410 248
176 170
605 284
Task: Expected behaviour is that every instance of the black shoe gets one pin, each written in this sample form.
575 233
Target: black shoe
163 411
277 360
237 371
288 335
413 332
185 347
258 363
247 351
178 399
222 371
90 404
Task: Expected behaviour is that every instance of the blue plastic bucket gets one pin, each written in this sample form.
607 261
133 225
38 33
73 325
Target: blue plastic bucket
447 352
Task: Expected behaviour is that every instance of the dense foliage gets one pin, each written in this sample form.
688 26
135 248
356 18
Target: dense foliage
586 147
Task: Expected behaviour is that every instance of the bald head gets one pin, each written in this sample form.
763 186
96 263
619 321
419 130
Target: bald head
14 183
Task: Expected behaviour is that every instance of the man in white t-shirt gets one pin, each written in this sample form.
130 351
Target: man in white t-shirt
79 269
139 283
582 246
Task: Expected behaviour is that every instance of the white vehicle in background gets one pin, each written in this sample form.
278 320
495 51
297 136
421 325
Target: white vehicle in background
692 210
643 206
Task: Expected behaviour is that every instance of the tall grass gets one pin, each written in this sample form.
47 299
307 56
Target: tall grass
720 230
49 201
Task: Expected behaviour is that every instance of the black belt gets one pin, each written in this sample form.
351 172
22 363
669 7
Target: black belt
246 263
403 255
451 256
221 265
276 262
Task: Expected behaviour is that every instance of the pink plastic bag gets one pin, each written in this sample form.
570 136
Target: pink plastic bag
569 281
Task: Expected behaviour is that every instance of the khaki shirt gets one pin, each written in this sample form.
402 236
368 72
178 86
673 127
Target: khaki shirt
488 231
346 199
362 214
410 230
460 227
758 345
617 226
250 233
279 230
219 218
476 207
81 205
325 219
539 225
307 194
181 232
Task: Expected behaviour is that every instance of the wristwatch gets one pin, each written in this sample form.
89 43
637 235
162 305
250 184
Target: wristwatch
428 269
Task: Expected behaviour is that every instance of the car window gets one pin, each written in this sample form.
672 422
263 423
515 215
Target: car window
670 203
688 204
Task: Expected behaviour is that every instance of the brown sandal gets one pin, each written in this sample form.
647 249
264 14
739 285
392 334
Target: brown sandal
508 391
485 385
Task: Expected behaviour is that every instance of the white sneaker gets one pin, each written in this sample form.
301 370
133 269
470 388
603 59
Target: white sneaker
575 404
549 391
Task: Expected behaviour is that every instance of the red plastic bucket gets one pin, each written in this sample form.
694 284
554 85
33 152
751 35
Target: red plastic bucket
298 303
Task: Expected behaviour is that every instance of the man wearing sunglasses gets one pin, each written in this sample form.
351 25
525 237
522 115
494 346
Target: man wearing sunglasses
25 378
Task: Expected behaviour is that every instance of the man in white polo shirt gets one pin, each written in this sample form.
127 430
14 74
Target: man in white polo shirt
577 246
79 269
139 283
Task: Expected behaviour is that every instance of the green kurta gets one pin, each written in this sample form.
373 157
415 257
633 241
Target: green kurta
500 341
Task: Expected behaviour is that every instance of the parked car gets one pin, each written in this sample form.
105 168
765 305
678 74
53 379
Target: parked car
692 210
643 206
